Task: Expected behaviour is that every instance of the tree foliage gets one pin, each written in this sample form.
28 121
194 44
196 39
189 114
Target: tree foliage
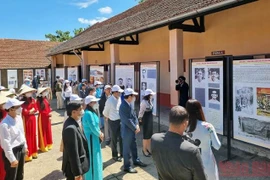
61 36
141 1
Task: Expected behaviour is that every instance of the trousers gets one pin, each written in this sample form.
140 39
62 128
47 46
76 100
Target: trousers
115 135
17 172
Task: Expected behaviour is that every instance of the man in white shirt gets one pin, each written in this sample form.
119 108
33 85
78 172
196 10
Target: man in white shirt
13 140
111 114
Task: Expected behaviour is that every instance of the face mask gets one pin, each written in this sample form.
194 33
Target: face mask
133 99
27 83
28 95
82 113
19 111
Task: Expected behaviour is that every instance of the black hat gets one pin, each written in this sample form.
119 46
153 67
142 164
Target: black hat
182 77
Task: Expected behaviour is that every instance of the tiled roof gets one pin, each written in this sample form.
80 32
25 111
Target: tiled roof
21 54
136 19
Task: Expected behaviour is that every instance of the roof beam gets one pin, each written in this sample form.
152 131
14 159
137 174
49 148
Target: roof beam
95 47
196 27
72 53
134 40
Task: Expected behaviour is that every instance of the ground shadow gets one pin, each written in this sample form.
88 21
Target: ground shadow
57 174
60 158
108 163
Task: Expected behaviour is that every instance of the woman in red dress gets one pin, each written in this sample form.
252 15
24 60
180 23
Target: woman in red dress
3 114
29 109
44 120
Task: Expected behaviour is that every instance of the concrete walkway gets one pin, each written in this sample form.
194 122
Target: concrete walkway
48 165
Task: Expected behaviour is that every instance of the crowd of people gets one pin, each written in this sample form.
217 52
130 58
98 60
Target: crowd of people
24 116
91 110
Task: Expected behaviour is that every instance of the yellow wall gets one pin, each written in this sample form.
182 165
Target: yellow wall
72 60
154 46
59 59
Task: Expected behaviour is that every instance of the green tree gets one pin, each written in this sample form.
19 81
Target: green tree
141 1
78 31
61 36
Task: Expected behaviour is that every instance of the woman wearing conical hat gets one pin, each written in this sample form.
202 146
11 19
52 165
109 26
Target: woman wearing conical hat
29 109
3 113
44 120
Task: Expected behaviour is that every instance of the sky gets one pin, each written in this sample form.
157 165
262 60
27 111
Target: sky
32 19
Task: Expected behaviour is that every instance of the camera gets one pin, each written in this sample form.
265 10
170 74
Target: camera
176 81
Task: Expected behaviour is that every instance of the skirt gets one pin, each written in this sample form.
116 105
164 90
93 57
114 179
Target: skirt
147 122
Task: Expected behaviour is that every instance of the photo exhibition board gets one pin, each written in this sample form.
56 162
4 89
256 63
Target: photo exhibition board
251 101
72 74
0 79
12 78
149 81
28 73
207 88
41 73
60 72
124 76
96 74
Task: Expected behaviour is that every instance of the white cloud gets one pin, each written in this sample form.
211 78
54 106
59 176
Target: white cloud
105 10
91 21
85 3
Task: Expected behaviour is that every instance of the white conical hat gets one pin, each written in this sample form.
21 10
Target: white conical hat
41 90
26 89
3 99
7 93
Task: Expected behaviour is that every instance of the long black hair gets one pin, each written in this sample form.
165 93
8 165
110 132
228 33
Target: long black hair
41 102
147 98
90 108
26 100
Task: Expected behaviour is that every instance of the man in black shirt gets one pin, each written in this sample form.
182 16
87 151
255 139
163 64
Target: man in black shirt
183 88
176 158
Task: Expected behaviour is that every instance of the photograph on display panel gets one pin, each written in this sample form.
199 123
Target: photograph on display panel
207 84
251 117
149 81
96 74
244 100
60 72
12 78
124 76
73 74
263 102
213 75
41 73
199 75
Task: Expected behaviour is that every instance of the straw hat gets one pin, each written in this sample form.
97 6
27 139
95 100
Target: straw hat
41 90
3 99
26 89
7 93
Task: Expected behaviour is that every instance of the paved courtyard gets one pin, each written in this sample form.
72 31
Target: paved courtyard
48 165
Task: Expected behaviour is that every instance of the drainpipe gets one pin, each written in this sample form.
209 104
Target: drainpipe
81 61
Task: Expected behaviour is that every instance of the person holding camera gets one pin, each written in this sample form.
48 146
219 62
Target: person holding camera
183 88
174 156
206 133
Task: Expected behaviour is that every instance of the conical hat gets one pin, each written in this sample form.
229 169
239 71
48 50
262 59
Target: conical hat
7 93
26 89
41 90
3 99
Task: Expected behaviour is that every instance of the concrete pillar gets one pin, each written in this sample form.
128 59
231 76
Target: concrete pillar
176 62
65 66
84 62
114 52
53 66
